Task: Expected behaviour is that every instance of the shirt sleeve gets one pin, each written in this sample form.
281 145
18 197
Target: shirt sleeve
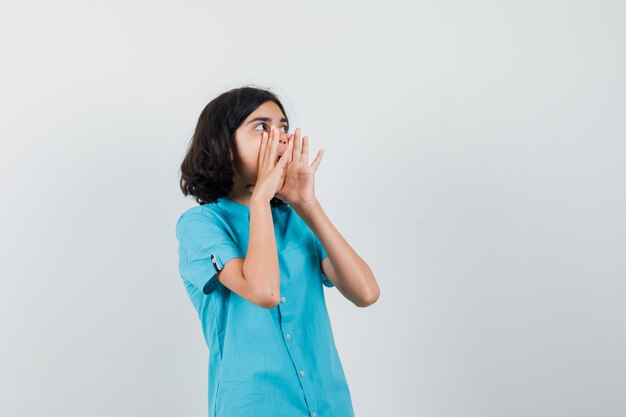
322 254
204 247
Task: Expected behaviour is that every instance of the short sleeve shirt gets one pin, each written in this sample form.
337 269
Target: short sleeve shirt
279 362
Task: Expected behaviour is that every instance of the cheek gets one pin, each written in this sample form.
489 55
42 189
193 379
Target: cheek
251 162
249 157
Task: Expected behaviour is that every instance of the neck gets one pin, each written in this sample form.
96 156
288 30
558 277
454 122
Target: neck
239 193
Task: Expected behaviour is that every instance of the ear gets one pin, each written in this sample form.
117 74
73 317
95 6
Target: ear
232 163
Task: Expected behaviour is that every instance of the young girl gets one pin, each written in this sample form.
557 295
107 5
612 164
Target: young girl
253 258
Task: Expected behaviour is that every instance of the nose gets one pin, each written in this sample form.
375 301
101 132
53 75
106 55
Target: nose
283 140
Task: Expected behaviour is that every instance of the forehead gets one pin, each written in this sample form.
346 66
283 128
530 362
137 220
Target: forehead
267 109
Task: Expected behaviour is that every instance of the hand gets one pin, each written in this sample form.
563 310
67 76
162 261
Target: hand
299 182
271 172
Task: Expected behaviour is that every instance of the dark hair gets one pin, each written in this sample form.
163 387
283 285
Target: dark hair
207 173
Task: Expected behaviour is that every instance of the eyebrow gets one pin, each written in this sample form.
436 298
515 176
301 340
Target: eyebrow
266 119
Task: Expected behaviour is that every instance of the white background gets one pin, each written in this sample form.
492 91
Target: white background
475 157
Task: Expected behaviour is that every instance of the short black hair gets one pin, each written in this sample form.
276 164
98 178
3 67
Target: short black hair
206 170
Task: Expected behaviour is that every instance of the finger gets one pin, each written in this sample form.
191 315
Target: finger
262 149
274 146
290 145
304 156
266 150
297 146
318 159
269 158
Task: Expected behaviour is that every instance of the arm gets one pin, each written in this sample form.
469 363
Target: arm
257 276
343 266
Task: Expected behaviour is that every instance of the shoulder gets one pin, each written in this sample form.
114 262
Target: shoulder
191 213
192 218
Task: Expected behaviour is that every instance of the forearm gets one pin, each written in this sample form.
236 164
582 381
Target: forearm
355 278
260 266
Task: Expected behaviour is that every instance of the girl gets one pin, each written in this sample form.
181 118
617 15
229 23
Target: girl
252 256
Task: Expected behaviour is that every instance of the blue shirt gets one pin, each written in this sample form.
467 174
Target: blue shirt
278 362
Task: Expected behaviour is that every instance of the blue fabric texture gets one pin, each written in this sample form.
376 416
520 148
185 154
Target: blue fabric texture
279 362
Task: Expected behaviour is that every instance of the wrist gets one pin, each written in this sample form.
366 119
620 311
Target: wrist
307 207
259 199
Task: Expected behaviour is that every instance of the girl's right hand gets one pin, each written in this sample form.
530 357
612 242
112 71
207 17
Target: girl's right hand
271 174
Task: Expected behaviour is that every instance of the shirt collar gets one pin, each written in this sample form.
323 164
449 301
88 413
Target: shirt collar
233 207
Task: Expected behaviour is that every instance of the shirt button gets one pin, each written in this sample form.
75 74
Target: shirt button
313 414
288 336
283 299
301 373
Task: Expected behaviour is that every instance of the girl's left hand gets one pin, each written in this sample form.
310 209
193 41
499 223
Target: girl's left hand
299 181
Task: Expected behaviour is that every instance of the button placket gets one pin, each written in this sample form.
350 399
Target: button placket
294 351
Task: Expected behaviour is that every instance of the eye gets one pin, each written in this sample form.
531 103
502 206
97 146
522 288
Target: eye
265 125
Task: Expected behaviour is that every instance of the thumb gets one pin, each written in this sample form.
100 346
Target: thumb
318 159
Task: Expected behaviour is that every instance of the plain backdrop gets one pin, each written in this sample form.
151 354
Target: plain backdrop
475 157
